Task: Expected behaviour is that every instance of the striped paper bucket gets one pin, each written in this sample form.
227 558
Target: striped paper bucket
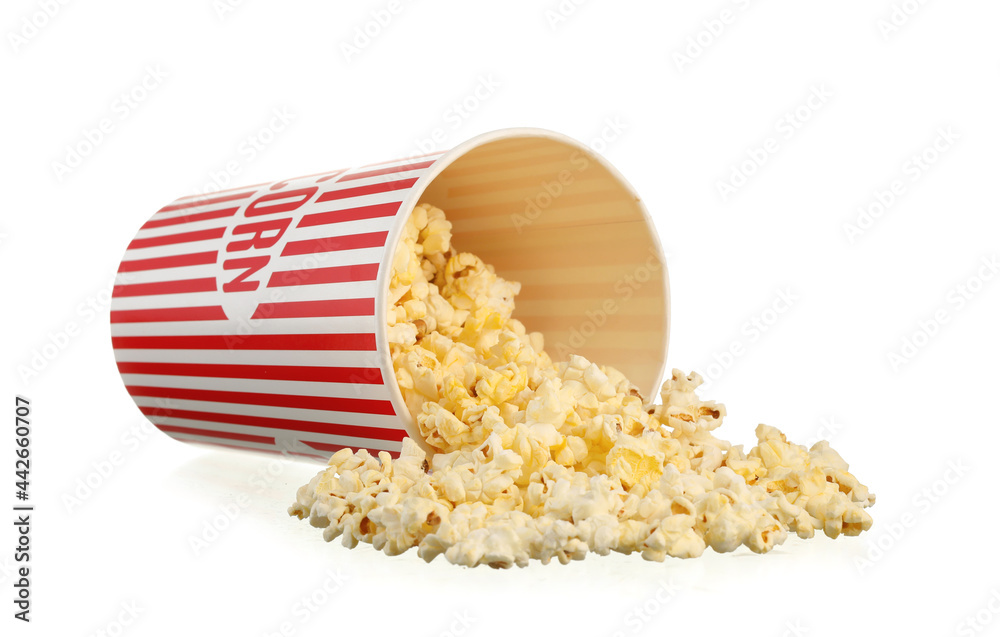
255 318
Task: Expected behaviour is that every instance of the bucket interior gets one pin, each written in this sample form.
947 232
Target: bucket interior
549 213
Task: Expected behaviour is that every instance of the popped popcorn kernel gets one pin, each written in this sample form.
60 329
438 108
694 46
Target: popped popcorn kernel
535 459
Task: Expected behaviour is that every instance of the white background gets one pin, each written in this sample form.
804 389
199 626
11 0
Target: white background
677 128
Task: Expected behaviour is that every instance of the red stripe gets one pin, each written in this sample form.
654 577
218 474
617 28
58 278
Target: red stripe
287 424
332 448
304 309
201 216
333 244
350 214
228 435
386 171
347 193
176 261
313 373
322 403
316 276
219 192
206 202
334 342
166 287
206 313
183 237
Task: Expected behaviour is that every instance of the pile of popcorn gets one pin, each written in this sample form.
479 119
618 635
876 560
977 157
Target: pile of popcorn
535 459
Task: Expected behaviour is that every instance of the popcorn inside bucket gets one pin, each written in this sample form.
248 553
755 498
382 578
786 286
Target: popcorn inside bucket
535 459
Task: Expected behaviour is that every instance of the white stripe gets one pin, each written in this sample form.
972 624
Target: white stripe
213 195
360 256
186 212
369 199
167 274
344 227
339 228
249 446
313 325
360 226
173 249
180 228
384 445
396 162
352 442
291 413
254 385
346 290
296 184
349 441
187 299
328 259
375 179
235 356
320 292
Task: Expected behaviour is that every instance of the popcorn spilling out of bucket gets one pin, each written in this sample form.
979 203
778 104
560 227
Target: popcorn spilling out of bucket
473 335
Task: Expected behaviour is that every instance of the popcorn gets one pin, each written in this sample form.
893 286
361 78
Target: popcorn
638 460
536 459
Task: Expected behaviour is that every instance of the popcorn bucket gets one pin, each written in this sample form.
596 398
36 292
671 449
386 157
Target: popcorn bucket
254 318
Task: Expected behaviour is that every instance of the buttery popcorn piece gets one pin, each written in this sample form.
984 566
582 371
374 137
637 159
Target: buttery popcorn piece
535 459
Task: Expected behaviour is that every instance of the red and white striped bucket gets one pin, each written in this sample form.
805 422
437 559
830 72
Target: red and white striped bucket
255 317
